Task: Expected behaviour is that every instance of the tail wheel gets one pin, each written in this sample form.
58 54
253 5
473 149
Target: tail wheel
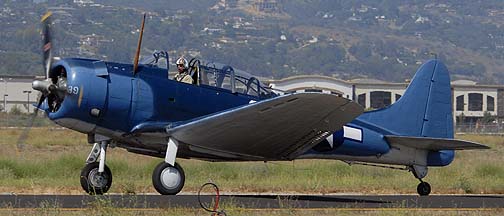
168 179
93 182
424 189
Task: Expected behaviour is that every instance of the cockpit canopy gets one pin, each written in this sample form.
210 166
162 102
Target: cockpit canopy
224 76
218 75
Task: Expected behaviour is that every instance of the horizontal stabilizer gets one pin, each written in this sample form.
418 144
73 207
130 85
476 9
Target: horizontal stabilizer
434 144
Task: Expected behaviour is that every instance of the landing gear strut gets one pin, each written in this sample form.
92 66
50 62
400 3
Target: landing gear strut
420 172
168 177
96 177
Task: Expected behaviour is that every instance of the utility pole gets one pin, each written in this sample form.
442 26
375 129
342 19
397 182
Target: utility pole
2 79
5 92
28 100
5 101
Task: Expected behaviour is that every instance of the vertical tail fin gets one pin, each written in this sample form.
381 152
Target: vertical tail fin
425 109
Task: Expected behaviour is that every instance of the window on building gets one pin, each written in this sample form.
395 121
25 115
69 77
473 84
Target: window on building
475 102
380 99
313 90
361 99
490 103
460 103
337 93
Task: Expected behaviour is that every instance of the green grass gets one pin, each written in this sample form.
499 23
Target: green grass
21 120
52 160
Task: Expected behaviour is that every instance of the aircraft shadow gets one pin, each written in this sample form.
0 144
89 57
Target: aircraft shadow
305 201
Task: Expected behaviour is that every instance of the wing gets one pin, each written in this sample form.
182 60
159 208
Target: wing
280 128
429 143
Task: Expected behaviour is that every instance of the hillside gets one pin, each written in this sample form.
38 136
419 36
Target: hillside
385 39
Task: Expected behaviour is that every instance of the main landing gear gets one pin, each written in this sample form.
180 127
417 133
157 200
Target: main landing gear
96 177
168 177
420 172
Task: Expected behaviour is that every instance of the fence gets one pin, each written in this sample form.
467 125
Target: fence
21 120
478 128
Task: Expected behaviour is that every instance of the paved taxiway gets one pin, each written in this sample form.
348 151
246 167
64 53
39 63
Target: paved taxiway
258 201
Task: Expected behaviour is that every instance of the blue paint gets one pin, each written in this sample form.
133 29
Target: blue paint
126 100
424 107
424 111
79 74
373 144
148 100
440 158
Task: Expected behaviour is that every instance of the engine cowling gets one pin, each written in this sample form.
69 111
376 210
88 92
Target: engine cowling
81 92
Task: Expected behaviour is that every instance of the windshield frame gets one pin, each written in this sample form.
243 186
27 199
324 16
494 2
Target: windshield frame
225 77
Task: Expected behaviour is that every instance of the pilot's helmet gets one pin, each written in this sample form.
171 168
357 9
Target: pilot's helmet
182 61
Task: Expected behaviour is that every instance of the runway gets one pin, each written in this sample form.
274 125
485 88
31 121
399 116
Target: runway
258 201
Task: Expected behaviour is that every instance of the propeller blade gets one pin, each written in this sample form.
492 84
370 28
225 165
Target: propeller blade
41 100
45 87
137 55
47 43
24 135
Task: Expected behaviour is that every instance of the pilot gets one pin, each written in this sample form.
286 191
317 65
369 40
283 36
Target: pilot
183 74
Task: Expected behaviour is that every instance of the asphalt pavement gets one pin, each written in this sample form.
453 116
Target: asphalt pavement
256 201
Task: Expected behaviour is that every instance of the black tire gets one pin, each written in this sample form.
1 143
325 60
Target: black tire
93 182
423 189
173 186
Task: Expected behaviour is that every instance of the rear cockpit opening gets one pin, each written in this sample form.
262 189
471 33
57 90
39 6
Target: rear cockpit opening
226 77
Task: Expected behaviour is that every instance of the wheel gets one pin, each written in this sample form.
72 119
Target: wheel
168 179
423 189
93 182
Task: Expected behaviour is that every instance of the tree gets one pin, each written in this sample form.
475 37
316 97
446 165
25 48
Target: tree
15 110
361 51
487 118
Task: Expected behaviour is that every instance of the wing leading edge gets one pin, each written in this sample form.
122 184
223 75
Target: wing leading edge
279 128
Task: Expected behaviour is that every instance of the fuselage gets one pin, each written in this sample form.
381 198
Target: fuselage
125 100
107 99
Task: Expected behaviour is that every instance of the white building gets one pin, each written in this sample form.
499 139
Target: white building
470 100
16 91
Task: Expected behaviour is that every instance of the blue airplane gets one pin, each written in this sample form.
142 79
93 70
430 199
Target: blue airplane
229 115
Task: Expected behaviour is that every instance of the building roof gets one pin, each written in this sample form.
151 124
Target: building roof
308 77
